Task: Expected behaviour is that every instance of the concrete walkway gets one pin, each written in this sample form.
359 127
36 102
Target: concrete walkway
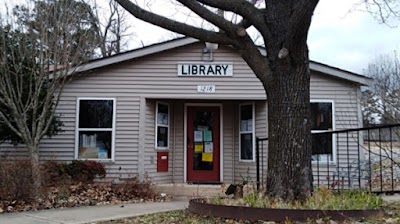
90 214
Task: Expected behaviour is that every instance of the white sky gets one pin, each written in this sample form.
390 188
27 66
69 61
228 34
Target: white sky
338 37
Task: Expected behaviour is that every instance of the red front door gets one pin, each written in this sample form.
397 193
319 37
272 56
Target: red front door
203 144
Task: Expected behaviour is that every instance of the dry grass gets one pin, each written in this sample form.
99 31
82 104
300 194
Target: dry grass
184 217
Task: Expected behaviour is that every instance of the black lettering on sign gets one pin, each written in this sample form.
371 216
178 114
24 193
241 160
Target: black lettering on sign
194 69
183 70
218 70
210 70
225 68
202 70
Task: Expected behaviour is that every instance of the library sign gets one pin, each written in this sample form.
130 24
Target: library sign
204 69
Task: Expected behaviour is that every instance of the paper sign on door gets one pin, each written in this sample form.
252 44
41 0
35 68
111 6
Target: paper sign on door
207 136
198 136
208 147
207 157
198 147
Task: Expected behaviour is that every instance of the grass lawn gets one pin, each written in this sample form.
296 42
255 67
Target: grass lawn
184 217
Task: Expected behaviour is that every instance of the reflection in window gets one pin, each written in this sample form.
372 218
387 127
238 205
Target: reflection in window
95 128
321 121
246 132
162 125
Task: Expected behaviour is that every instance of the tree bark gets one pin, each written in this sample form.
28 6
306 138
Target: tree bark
289 149
36 172
288 95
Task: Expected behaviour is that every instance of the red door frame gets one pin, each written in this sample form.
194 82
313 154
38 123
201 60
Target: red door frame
203 175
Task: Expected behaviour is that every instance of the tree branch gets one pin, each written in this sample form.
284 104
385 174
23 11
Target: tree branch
210 16
243 8
173 25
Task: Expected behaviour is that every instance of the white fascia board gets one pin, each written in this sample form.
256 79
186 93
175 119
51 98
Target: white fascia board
335 72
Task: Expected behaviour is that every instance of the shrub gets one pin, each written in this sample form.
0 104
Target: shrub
77 170
135 188
16 180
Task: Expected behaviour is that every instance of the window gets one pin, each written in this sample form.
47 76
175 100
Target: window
322 120
246 132
162 125
95 128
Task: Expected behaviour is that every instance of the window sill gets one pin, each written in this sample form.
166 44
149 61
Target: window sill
323 163
163 149
97 160
246 161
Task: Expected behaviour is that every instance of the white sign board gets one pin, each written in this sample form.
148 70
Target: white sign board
206 88
205 69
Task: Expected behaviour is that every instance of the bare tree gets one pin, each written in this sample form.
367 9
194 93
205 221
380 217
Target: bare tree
113 28
382 98
284 73
35 64
384 11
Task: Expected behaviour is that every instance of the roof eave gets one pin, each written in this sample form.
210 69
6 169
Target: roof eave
136 54
336 72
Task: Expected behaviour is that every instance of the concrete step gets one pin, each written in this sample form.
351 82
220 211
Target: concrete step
191 190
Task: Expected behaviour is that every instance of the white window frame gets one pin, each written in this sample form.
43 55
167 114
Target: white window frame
77 129
253 131
162 125
333 161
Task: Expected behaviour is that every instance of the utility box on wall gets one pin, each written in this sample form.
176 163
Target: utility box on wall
162 161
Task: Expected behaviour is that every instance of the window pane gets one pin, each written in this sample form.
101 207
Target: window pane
321 116
162 136
246 112
246 118
162 114
246 146
95 144
95 113
322 146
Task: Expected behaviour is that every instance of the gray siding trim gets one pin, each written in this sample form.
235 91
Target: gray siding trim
141 140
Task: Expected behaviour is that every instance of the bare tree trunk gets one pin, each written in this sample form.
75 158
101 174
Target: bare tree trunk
288 95
36 172
289 155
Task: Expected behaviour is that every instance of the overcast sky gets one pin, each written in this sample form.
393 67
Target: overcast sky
340 37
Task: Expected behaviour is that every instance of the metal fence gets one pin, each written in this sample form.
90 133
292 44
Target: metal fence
367 158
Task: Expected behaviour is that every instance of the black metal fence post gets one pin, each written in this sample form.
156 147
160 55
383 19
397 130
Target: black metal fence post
258 162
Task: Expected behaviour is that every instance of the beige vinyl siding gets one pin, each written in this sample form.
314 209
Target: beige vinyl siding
156 77
178 149
248 169
228 143
345 97
150 163
62 146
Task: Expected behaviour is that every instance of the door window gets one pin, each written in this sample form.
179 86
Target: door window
203 140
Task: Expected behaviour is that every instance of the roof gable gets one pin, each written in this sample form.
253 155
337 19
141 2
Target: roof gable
168 45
